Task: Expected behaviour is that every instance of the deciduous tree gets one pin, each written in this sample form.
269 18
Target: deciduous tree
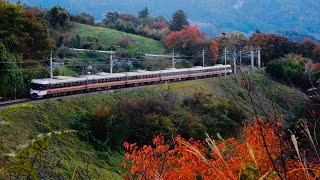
36 38
307 47
11 24
83 18
190 41
316 53
273 46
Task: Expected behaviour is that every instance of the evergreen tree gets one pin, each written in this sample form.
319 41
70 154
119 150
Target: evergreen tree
110 18
143 13
58 17
11 78
258 31
179 19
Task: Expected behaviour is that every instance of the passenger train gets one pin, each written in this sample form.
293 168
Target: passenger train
63 85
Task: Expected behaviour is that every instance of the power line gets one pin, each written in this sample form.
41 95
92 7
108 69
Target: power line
24 62
21 69
46 52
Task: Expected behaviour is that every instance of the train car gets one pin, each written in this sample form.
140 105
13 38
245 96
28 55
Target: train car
141 77
63 85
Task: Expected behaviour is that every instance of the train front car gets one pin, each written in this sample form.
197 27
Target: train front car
39 88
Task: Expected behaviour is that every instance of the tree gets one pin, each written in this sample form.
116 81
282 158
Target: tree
257 31
11 24
316 53
128 18
148 21
212 49
179 19
143 13
58 18
290 69
36 37
190 40
11 78
160 25
273 46
110 18
83 18
307 47
160 19
233 40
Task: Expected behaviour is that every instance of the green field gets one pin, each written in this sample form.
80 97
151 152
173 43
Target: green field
109 38
19 125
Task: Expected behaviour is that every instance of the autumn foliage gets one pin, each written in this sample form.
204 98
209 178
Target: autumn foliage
273 46
190 40
260 153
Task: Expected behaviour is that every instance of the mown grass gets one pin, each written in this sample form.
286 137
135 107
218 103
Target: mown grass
109 38
20 124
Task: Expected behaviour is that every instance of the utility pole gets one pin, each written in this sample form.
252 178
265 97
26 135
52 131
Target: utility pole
252 59
259 57
240 57
15 91
234 63
203 58
111 63
107 52
225 61
173 58
51 66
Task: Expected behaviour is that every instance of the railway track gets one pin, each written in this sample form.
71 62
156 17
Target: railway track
6 104
13 102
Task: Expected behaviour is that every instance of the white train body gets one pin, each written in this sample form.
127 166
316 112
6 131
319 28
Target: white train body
63 85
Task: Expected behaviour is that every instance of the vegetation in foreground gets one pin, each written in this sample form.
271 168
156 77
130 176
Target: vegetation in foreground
104 122
262 153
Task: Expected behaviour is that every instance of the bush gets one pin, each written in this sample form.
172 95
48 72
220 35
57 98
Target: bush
125 42
289 71
138 119
65 52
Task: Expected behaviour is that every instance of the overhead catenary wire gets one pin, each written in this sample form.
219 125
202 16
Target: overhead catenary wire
23 62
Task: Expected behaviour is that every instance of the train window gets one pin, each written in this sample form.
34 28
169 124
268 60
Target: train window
35 86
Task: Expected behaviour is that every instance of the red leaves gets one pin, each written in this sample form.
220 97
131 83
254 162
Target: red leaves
229 159
247 85
191 38
271 44
213 49
160 25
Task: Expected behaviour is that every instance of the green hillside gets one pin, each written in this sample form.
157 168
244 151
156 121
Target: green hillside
113 39
211 105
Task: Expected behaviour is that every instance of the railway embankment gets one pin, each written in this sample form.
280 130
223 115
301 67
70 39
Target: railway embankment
98 124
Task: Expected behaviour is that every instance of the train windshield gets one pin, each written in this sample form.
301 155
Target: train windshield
35 86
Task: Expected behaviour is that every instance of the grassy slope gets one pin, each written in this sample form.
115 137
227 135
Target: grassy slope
110 37
19 125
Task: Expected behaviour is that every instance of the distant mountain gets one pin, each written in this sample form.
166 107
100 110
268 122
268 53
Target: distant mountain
295 36
301 16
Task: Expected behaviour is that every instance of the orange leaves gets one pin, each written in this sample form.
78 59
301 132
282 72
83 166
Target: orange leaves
184 38
229 159
213 49
191 39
